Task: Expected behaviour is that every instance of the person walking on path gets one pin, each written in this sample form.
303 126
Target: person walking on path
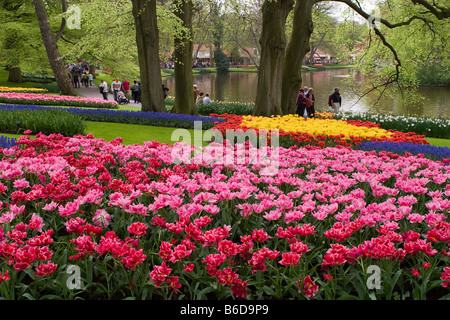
104 89
85 79
138 93
115 87
134 91
301 103
335 100
126 88
76 77
91 78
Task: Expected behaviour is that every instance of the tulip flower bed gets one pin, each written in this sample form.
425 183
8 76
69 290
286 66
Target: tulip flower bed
22 90
55 100
83 218
294 130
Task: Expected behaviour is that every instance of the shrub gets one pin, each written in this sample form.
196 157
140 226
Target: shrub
237 108
37 77
44 121
219 107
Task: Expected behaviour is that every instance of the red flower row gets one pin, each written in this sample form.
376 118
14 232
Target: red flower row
234 122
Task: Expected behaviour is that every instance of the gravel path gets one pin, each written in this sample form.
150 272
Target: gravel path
94 92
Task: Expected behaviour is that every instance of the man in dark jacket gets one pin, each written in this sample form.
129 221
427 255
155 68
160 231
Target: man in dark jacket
335 100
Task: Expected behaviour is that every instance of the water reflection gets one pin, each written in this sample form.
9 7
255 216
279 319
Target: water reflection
240 86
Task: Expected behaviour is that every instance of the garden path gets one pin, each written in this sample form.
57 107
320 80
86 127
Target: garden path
93 92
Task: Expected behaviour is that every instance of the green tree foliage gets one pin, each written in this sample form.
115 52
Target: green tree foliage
20 40
402 54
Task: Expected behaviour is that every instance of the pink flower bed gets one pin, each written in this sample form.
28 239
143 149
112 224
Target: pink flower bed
138 222
45 99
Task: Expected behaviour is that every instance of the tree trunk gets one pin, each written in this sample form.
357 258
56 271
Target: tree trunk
184 92
273 47
15 75
147 39
92 69
297 48
54 57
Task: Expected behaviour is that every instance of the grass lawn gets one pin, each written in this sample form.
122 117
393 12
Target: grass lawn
439 142
133 133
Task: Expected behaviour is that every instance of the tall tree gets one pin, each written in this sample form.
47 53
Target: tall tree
184 92
297 48
273 48
20 39
147 39
50 40
243 27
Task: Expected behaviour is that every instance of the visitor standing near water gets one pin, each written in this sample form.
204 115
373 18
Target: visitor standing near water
165 90
196 93
310 105
199 99
301 103
207 99
335 100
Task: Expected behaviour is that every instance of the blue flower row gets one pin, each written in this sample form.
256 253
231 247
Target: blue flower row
7 142
429 151
159 119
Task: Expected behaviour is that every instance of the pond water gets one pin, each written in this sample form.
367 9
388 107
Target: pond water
241 86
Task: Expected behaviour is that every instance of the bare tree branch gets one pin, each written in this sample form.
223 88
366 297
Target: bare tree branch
63 21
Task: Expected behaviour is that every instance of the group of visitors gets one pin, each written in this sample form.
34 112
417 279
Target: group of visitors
122 90
79 74
305 102
201 97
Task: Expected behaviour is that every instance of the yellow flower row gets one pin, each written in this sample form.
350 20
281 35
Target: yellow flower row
325 127
19 89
